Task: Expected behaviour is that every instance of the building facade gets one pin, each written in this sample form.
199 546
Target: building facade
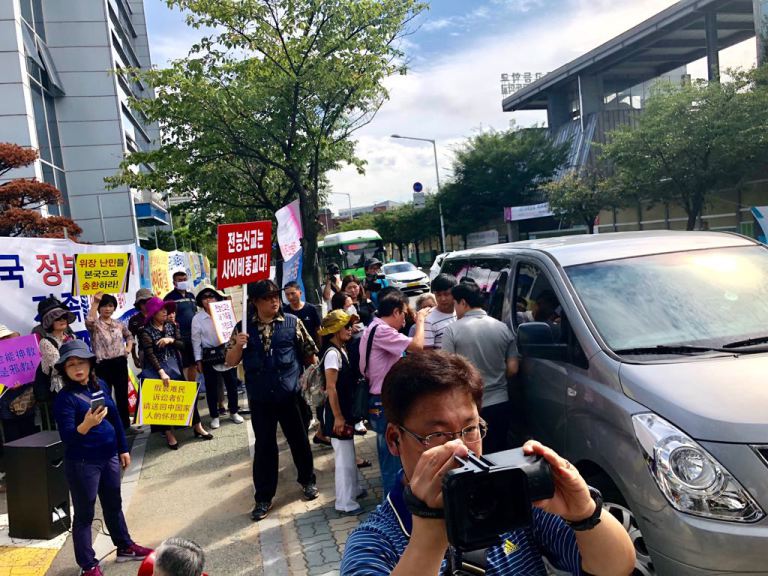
64 90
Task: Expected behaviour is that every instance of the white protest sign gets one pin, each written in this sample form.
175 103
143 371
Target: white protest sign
223 316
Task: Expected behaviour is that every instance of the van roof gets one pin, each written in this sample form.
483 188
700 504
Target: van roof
587 248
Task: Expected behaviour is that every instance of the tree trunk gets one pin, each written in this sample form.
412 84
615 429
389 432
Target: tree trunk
310 229
400 249
418 255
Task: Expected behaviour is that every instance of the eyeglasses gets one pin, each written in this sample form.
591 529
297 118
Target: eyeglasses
469 435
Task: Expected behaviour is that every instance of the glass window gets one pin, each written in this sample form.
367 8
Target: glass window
397 268
39 23
487 274
53 130
456 267
48 175
699 298
50 67
41 123
26 11
535 299
30 47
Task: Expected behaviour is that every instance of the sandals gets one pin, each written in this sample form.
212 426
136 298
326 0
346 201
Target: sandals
364 464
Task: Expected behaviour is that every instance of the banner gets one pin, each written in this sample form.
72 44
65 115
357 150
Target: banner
19 358
96 273
159 273
145 276
292 269
516 213
170 405
32 269
761 217
223 316
243 255
289 232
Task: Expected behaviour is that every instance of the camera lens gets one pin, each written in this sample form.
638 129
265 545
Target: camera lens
482 502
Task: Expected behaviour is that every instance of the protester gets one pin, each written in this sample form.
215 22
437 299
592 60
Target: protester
137 321
95 450
388 346
17 405
56 323
432 401
364 307
490 345
179 557
442 316
112 343
160 344
43 307
186 308
209 357
340 382
374 282
332 283
272 352
307 313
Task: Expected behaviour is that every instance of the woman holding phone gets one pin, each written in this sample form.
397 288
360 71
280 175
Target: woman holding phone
161 344
95 450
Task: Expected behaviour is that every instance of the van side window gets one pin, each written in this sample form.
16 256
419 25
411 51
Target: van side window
491 275
457 267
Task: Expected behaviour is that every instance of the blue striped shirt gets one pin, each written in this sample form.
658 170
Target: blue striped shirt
376 546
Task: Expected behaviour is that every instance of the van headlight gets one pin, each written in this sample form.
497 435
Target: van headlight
690 478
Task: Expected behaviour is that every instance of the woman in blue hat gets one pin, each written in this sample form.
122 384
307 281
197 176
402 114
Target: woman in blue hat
96 449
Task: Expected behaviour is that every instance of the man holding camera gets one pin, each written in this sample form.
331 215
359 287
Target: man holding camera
375 280
432 401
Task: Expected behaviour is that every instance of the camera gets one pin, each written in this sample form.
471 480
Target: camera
332 269
491 495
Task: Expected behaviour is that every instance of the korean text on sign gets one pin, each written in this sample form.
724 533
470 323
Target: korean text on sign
244 251
19 358
170 405
106 273
223 316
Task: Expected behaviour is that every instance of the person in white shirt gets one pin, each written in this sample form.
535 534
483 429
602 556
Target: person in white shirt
443 315
209 357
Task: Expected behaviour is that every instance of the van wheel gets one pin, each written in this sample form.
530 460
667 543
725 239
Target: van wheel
614 504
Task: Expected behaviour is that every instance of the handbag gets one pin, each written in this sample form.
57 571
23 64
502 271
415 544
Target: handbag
214 355
362 387
23 403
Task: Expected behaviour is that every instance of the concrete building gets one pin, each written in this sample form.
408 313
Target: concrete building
372 208
64 90
606 87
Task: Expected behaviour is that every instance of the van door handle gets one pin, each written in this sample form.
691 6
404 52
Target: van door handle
572 392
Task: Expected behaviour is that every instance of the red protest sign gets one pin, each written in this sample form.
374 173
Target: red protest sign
244 251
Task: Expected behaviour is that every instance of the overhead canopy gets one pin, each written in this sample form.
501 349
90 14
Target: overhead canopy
670 39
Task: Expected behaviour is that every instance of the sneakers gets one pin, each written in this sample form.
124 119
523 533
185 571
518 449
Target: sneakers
236 418
133 552
310 491
260 511
215 423
95 571
360 428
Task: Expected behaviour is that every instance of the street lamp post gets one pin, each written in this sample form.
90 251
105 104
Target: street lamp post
349 199
437 177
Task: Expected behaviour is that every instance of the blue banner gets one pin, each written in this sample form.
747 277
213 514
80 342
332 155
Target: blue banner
145 278
292 269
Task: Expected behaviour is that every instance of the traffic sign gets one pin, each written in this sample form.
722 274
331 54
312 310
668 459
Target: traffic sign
417 187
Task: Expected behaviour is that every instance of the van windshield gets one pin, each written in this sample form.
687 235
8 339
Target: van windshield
698 298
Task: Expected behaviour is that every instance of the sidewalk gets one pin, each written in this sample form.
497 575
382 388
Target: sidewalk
204 492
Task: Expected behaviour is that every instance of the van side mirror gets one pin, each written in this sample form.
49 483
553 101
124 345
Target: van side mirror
537 340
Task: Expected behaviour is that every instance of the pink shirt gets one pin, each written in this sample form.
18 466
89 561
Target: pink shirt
388 348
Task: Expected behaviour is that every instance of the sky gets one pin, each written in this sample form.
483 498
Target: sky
457 53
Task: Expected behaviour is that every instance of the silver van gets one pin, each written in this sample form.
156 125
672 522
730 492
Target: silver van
645 363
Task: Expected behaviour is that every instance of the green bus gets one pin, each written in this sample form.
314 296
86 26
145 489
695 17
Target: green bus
350 250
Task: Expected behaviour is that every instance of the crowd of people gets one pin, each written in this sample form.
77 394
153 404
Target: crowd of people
430 382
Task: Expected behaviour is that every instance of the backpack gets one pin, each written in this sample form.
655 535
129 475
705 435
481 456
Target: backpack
312 383
42 383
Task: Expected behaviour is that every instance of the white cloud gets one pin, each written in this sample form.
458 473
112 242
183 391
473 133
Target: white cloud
459 93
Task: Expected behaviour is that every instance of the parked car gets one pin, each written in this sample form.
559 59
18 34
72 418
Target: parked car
643 361
434 270
406 277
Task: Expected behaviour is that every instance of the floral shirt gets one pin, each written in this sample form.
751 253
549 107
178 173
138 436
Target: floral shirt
49 355
108 339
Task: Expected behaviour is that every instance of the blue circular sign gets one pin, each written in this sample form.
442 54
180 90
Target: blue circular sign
417 187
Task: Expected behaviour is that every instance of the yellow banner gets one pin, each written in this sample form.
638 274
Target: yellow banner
159 272
170 405
107 273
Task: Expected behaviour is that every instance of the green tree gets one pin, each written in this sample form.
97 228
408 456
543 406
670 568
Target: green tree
497 169
693 140
581 196
267 103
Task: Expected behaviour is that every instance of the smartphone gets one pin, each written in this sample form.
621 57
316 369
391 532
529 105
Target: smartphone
97 401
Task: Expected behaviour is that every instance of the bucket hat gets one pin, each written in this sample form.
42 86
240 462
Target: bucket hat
73 349
55 314
154 305
5 331
48 304
335 321
202 289
142 295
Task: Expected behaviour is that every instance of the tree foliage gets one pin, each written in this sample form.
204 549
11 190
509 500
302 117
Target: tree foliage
266 104
497 169
22 198
581 196
693 140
